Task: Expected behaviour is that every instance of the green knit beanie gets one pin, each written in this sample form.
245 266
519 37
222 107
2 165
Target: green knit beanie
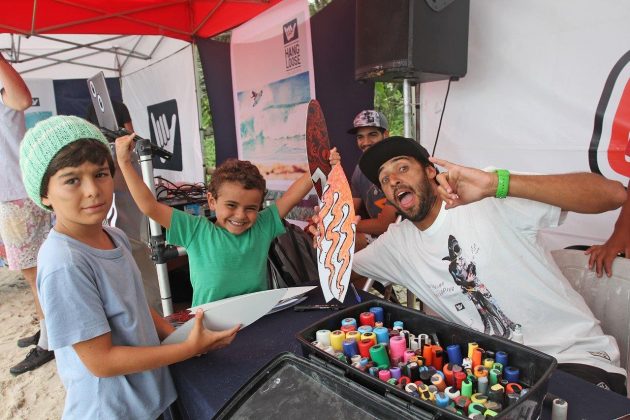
42 143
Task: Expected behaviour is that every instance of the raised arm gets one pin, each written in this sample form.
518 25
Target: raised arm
578 192
103 359
15 93
141 194
294 194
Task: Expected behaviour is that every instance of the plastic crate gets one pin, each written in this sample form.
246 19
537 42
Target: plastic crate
535 367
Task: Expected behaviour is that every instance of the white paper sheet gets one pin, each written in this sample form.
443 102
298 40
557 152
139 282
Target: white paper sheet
295 292
226 313
335 246
285 304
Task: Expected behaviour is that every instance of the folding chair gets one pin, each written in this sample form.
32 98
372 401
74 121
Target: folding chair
607 297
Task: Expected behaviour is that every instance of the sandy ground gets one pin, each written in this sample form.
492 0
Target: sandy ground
32 395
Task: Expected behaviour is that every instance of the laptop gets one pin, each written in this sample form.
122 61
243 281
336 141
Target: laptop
107 118
102 102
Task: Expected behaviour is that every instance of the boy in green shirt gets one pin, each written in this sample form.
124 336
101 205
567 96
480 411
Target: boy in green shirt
228 257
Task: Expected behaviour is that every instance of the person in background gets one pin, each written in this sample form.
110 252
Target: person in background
120 110
369 127
601 257
105 337
23 225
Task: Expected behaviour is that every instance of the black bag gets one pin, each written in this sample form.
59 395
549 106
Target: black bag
292 260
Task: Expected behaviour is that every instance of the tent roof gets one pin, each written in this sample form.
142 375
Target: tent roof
81 56
183 19
43 37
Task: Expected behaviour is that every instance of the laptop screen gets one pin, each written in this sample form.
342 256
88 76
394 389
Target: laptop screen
102 102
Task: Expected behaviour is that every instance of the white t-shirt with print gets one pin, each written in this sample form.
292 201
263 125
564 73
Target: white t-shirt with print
481 265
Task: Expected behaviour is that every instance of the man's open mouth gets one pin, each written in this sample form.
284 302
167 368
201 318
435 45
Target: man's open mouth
405 198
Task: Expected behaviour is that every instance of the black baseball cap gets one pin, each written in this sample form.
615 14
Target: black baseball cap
389 148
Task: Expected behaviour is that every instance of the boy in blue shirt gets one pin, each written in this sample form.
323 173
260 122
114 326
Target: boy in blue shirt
228 257
105 337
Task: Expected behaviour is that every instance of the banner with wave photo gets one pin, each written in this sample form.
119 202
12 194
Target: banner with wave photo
273 82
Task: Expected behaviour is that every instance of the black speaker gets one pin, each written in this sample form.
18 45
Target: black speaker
420 40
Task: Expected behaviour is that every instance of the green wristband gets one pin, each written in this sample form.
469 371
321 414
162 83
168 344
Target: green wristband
504 183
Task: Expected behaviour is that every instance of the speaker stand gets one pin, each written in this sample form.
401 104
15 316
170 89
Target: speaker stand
160 252
411 108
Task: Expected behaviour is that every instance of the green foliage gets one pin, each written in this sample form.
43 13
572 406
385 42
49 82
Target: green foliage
223 37
317 5
207 129
209 155
388 98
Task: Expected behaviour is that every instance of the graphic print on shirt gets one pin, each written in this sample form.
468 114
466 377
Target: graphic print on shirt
464 274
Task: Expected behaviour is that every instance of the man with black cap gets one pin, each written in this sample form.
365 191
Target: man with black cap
469 249
369 127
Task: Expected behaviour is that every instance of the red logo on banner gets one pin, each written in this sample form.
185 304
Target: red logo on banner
619 148
609 153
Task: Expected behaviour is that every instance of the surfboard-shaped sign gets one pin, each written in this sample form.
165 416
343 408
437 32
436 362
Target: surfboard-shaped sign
317 147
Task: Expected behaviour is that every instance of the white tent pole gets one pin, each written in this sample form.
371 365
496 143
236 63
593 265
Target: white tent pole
417 112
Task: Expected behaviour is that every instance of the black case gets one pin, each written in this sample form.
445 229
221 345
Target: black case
535 367
291 387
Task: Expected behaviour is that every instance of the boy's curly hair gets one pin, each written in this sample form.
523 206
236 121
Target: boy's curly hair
241 171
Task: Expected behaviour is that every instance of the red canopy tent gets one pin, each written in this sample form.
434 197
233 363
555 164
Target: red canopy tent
111 35
182 19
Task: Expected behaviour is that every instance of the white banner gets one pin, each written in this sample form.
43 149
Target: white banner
162 102
273 81
43 93
539 74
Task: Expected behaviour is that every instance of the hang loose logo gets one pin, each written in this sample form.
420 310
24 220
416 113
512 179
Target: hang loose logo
164 133
290 31
164 124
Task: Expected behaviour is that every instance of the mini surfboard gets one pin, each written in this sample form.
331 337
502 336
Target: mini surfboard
317 147
335 245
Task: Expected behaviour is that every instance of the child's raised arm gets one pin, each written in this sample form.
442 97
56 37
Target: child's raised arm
300 188
141 194
103 359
